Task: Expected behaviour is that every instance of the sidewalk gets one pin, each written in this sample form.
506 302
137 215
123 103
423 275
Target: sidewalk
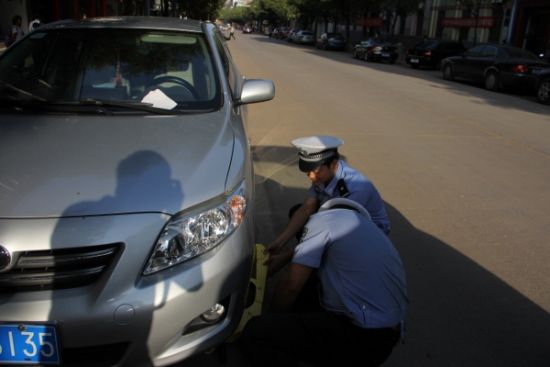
2 47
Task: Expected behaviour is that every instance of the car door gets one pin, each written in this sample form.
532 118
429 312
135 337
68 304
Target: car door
461 64
488 58
472 63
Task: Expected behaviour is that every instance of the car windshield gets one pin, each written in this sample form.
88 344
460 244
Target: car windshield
427 44
517 53
111 65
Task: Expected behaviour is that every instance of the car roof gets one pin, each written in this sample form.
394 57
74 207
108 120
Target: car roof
161 23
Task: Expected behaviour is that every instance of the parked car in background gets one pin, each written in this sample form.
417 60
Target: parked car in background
225 30
303 37
126 203
429 53
497 66
247 29
376 50
332 41
542 84
290 35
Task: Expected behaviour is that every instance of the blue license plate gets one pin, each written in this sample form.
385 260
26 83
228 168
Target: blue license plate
28 344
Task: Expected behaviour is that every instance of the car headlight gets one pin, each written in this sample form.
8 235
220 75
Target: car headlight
189 235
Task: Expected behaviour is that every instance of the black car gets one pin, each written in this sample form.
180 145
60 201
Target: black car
542 84
375 50
498 66
429 53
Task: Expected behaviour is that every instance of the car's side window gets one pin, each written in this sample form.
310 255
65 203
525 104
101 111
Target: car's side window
475 51
489 51
226 64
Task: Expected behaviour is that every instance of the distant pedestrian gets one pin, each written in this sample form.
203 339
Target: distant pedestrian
232 32
16 31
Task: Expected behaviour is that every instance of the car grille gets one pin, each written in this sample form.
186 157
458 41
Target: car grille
57 269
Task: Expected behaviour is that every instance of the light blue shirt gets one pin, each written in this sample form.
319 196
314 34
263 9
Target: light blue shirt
361 190
360 271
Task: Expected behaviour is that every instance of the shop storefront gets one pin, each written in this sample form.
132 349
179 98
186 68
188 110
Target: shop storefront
471 21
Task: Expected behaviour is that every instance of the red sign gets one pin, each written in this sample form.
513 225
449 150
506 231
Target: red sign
371 22
481 22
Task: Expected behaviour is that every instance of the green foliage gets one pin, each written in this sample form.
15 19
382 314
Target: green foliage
240 14
274 11
200 9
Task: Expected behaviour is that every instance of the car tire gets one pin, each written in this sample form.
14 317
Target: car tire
492 82
448 72
355 56
414 66
543 91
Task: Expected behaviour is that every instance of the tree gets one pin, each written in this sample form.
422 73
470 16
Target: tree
274 11
240 14
200 9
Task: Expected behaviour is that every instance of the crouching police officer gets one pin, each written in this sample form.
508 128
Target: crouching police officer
330 177
362 295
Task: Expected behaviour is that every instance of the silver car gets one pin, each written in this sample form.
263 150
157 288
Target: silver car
126 192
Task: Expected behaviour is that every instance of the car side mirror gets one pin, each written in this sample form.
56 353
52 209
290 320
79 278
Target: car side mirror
256 90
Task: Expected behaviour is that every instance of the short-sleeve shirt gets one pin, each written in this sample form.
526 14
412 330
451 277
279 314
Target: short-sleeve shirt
360 271
359 189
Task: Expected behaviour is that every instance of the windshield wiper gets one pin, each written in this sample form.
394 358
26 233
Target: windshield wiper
138 106
21 91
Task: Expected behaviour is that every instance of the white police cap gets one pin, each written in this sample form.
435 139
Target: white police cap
335 203
315 150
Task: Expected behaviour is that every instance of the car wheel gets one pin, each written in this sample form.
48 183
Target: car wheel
414 66
491 81
355 56
448 72
543 91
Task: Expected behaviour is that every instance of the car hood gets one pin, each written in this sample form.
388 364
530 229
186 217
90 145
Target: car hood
53 166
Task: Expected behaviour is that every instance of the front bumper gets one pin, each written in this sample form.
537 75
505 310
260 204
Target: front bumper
144 320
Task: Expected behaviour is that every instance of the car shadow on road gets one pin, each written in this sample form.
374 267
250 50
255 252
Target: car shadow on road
525 101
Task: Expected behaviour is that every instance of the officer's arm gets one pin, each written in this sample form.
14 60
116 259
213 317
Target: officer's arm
295 224
290 287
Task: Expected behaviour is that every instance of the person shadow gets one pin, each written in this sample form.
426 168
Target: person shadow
100 296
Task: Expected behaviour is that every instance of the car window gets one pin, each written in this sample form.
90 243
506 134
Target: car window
113 65
517 53
427 44
475 51
227 65
489 51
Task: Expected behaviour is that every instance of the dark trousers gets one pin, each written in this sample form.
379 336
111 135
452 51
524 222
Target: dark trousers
317 339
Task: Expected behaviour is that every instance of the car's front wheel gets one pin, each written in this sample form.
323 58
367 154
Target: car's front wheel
448 72
491 81
543 91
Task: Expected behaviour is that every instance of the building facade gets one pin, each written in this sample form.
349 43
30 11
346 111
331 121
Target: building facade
521 23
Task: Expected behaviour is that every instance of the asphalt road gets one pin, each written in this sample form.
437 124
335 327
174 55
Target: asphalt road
464 172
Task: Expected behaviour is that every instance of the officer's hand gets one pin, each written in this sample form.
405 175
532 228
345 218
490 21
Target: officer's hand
273 248
276 262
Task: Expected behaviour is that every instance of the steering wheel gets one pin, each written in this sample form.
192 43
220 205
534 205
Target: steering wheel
174 80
